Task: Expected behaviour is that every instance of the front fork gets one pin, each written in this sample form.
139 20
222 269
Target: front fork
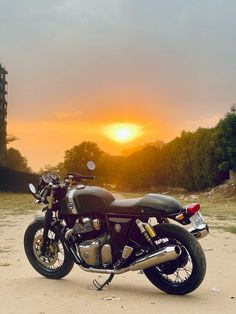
47 223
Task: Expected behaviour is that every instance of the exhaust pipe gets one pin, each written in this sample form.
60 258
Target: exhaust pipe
166 254
200 232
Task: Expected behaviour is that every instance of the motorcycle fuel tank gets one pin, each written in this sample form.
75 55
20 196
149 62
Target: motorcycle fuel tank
87 200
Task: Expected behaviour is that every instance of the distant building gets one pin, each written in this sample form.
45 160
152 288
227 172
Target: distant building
3 116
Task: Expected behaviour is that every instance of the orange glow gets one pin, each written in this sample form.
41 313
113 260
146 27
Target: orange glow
122 132
45 139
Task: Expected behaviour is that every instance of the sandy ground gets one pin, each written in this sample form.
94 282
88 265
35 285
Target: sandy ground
22 290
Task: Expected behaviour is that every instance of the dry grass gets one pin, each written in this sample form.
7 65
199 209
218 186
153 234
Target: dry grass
16 204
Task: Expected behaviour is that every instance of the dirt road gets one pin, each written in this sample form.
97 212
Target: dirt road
22 290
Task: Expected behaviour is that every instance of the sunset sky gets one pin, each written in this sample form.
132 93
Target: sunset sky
79 68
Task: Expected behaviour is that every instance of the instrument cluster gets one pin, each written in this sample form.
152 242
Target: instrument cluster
47 178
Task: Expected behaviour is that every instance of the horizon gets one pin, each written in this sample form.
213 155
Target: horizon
81 69
124 150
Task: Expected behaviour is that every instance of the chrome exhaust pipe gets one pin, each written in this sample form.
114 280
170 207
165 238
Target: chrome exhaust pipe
166 254
200 232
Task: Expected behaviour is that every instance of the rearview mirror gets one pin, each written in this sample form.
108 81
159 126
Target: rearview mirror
32 188
91 165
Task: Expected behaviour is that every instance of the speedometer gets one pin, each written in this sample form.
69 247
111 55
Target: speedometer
55 176
46 177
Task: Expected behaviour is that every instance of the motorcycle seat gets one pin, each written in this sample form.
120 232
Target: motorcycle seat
150 204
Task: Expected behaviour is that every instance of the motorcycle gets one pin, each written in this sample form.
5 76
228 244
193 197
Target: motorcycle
87 226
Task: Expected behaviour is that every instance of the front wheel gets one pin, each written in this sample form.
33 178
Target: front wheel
184 274
56 262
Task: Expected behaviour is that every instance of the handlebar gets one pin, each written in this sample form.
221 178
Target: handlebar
44 192
79 177
88 177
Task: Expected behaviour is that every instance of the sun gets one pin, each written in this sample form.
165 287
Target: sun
122 132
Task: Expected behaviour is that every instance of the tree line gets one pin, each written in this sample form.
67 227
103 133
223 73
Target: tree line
194 160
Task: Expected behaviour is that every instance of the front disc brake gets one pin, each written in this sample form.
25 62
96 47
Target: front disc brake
51 254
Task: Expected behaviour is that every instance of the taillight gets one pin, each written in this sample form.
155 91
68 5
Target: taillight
191 209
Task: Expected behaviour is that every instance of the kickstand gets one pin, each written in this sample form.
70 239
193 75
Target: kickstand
101 286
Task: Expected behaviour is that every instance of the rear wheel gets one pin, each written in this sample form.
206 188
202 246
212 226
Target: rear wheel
184 274
56 263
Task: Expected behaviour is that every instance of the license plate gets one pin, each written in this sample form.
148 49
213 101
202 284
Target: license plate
197 219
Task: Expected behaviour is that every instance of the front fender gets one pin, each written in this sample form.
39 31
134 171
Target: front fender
39 218
55 225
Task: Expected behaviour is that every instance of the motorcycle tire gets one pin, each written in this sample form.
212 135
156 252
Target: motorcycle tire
191 264
50 265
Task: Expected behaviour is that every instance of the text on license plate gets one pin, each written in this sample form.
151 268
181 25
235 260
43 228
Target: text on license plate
197 219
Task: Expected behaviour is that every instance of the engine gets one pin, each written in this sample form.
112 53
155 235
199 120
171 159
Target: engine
86 225
95 246
96 251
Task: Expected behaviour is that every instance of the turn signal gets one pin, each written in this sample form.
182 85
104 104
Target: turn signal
179 217
191 209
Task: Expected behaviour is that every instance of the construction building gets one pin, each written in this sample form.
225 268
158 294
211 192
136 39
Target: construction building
3 115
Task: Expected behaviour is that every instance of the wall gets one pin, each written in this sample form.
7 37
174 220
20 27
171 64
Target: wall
16 181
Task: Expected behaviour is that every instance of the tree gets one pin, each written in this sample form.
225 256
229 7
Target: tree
233 108
77 157
11 138
226 142
59 168
16 161
203 158
138 170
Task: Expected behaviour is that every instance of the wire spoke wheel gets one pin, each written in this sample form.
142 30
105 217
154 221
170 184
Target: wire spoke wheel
54 256
56 262
179 270
184 274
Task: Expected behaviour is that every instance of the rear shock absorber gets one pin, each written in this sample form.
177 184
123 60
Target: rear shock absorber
147 231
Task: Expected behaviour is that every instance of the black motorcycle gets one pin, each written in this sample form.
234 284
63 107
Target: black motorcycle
86 225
